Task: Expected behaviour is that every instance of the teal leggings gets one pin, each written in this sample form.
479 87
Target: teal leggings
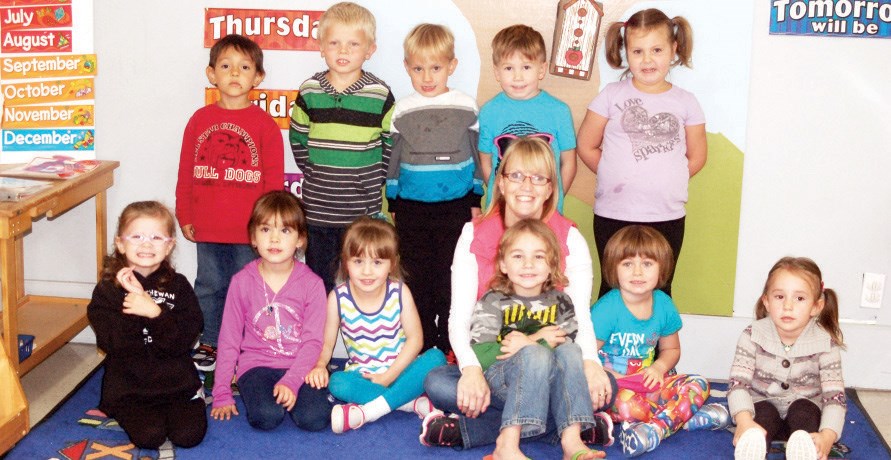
350 386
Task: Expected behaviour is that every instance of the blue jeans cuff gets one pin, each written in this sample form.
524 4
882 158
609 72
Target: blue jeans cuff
530 426
584 420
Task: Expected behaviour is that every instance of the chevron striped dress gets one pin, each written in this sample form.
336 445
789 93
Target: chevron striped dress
372 340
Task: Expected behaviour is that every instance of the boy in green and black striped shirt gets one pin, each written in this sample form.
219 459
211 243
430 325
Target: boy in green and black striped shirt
340 135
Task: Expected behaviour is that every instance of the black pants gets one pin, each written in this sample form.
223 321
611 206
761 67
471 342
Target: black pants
605 228
428 233
802 415
323 252
184 423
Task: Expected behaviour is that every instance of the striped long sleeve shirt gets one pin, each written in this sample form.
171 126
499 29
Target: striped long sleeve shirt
341 143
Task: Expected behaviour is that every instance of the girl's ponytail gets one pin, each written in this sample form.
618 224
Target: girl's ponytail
683 36
828 317
613 44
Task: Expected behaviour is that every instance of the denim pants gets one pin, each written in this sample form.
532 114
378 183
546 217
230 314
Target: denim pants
217 263
350 386
311 412
441 386
323 252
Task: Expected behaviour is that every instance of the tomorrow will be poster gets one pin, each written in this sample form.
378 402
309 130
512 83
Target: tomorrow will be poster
843 18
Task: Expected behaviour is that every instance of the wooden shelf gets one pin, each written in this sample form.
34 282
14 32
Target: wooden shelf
53 321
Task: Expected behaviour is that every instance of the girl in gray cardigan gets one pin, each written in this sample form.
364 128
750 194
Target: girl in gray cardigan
786 379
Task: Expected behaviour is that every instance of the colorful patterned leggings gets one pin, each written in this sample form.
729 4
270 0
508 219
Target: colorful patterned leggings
669 408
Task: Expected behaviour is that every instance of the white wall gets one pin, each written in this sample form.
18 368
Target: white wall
817 154
814 184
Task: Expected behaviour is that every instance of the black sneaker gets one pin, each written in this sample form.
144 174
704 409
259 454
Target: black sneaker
205 357
437 429
601 434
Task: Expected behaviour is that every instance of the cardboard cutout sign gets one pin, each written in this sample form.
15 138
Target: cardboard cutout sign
575 38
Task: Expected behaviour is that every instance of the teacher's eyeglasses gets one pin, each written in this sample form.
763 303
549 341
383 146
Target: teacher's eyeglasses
519 178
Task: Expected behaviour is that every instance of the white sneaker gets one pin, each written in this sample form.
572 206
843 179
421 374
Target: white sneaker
800 446
422 406
751 446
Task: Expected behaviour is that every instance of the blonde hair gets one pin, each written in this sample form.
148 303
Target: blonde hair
349 14
372 238
807 270
116 260
530 154
678 29
556 279
430 40
637 240
521 39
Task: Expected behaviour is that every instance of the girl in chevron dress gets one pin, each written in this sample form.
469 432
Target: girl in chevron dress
381 330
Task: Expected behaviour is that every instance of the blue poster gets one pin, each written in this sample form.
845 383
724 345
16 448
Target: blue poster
843 18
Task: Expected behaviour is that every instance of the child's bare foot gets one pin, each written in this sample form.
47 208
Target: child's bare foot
577 450
573 446
505 453
507 446
584 454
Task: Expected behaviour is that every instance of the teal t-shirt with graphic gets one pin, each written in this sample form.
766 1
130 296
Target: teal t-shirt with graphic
629 343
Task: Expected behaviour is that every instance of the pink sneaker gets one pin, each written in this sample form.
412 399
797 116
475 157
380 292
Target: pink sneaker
345 417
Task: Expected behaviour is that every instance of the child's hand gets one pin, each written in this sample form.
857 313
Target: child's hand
384 379
317 377
141 304
128 280
224 412
512 343
553 335
744 422
188 232
652 377
823 441
284 396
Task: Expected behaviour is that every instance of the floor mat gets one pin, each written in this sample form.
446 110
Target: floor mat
75 431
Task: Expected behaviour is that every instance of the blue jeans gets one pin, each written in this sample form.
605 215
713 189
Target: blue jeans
311 412
323 252
441 386
350 386
217 263
570 399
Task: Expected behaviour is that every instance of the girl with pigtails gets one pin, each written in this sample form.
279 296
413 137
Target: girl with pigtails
644 136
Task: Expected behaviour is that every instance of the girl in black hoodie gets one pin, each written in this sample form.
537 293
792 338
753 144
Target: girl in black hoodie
146 318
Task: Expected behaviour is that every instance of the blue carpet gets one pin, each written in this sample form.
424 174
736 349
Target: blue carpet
393 437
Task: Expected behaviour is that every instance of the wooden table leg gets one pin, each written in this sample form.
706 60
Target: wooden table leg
13 287
101 232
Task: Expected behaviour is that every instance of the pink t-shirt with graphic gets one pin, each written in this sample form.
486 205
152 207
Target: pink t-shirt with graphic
642 175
